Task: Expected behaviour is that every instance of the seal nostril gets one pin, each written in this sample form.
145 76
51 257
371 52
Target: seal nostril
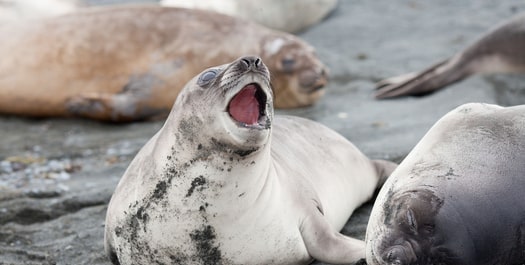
323 72
257 62
246 62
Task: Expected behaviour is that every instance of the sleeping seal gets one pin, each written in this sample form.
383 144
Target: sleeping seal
130 62
223 182
457 198
501 50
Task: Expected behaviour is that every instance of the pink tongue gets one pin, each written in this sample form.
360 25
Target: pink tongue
244 107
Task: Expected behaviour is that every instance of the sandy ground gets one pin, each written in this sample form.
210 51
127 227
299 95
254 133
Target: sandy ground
56 176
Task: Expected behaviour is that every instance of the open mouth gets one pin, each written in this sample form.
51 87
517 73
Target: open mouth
249 105
316 88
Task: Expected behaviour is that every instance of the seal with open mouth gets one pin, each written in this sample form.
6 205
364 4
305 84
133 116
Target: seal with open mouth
224 182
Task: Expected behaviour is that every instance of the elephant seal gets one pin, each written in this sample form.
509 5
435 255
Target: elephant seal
290 16
457 198
223 182
498 51
130 62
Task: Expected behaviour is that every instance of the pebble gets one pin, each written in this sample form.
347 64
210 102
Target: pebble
5 167
30 170
124 148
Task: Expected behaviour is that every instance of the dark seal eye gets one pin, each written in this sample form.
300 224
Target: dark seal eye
206 77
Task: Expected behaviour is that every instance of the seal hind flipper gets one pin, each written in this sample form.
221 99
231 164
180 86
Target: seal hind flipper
327 245
395 80
426 82
498 51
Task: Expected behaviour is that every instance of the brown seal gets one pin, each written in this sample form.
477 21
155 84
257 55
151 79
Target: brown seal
17 10
129 63
501 50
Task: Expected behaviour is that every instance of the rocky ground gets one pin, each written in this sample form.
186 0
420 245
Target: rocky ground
57 176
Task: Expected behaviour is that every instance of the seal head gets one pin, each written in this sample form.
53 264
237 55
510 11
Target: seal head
409 234
235 97
301 75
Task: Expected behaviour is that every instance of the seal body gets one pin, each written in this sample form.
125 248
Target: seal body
289 16
498 51
130 62
457 198
223 182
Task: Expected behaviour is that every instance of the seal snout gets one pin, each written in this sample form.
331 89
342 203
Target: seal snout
251 63
400 255
313 80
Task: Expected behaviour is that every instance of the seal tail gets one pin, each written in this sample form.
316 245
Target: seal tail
384 169
423 83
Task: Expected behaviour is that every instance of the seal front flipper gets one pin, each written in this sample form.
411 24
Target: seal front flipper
123 107
426 82
327 245
384 169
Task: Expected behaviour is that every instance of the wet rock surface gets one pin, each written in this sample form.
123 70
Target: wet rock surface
57 176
